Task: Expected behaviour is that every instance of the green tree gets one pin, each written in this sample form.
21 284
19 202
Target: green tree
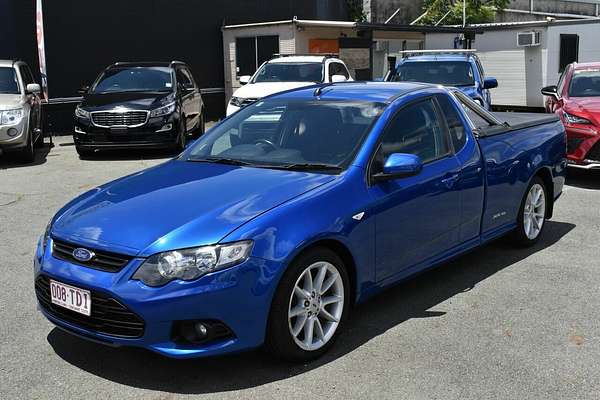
478 11
355 10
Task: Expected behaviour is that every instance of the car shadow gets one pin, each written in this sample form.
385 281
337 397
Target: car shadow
411 299
584 179
126 154
11 160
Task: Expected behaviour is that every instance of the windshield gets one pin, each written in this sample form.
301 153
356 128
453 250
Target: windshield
8 81
290 72
135 79
449 73
585 83
290 133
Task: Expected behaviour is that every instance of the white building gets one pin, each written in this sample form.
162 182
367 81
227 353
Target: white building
523 69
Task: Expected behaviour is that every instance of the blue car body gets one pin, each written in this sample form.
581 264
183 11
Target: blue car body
453 205
476 91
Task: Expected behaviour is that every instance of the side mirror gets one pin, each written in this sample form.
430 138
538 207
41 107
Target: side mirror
83 89
338 78
33 88
490 83
551 91
244 79
399 165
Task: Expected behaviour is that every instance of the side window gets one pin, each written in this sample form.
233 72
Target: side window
456 128
414 130
336 68
189 76
184 79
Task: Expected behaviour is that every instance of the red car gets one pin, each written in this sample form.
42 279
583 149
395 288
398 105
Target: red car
576 100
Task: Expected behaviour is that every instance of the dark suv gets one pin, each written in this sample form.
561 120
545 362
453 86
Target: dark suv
144 105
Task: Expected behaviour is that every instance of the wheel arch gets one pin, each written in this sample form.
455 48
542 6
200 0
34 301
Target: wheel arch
546 176
342 251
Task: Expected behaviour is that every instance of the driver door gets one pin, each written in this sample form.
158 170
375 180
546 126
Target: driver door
417 217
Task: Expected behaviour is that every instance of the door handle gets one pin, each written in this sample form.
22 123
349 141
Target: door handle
451 180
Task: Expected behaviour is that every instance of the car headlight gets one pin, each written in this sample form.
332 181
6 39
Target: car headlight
236 101
574 119
11 117
164 110
81 113
189 264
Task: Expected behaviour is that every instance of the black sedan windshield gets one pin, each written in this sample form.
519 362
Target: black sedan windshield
135 79
449 73
290 72
303 134
8 81
585 83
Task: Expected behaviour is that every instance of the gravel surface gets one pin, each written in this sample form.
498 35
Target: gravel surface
498 323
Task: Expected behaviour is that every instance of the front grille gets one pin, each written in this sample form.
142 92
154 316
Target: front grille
108 316
573 144
594 153
113 118
102 260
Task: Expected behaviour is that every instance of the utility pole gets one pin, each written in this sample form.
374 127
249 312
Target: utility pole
464 13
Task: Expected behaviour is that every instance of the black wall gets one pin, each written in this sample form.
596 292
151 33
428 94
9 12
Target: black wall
84 36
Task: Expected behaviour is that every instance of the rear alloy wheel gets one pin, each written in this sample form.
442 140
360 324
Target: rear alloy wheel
310 306
532 215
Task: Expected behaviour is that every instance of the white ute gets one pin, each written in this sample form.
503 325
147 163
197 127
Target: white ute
287 72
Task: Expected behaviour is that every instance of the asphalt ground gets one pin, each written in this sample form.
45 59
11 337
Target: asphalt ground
498 323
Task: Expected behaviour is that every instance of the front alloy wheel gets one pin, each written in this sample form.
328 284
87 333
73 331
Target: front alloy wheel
316 306
310 306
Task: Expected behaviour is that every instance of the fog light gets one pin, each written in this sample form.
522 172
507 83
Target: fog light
12 132
165 128
79 130
200 331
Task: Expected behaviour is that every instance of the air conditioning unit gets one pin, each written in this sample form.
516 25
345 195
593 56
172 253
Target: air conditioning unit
528 39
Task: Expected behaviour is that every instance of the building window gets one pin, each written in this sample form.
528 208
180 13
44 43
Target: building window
569 50
251 52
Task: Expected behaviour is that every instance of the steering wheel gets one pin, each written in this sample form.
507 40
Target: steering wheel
267 142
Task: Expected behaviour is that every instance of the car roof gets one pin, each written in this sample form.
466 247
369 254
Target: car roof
578 66
9 63
133 64
296 59
383 92
437 57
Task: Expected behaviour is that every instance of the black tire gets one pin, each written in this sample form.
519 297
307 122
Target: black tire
84 154
279 340
27 154
519 236
181 139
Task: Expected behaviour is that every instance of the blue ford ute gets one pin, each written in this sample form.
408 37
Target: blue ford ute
459 68
269 228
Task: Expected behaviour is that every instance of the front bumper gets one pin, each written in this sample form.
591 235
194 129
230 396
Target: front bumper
159 132
583 147
231 109
18 140
239 297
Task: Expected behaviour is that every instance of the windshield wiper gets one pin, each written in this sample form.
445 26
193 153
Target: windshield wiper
222 160
310 167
